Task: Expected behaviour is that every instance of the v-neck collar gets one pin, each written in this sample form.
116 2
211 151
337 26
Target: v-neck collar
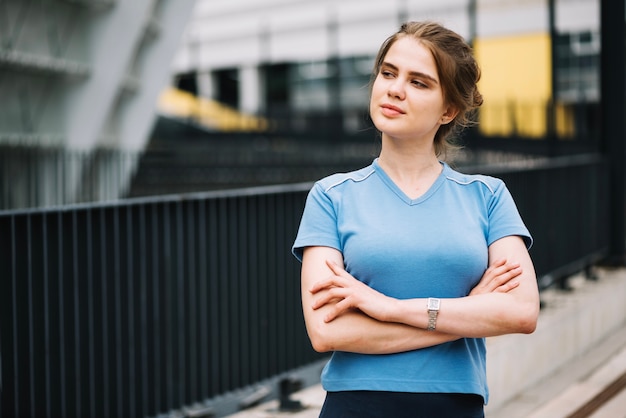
406 199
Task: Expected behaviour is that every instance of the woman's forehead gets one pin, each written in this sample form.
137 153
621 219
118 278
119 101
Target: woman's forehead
411 55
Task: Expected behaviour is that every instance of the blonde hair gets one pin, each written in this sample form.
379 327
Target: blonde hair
457 69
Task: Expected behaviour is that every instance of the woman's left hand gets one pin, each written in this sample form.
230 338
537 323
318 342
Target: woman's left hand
349 293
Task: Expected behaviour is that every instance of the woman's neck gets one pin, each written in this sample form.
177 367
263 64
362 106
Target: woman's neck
414 169
408 159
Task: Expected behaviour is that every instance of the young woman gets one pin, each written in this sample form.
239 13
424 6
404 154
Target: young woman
407 265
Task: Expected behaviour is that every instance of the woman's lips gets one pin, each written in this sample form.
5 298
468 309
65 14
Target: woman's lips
391 110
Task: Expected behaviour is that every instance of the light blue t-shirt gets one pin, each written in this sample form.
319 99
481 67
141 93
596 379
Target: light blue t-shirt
432 246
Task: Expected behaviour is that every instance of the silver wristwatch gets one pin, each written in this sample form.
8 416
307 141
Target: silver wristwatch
433 309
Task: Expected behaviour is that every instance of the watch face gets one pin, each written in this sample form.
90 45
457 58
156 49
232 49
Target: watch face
433 304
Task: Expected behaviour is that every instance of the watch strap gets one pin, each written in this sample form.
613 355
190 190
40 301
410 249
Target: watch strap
433 311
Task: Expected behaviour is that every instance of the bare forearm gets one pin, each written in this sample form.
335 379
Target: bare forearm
474 316
354 331
486 314
505 301
359 333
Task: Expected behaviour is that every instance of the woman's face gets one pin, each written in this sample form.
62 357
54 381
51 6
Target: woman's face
407 99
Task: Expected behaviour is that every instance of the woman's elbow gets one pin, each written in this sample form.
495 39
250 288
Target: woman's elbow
320 346
319 340
529 316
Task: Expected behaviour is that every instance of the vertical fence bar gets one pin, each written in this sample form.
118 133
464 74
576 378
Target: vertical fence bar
46 309
191 277
39 344
117 313
203 294
280 284
130 308
178 312
254 249
613 93
105 366
274 296
15 324
264 300
245 322
142 257
169 359
180 317
30 316
77 383
61 305
215 318
91 324
234 348
155 279
224 334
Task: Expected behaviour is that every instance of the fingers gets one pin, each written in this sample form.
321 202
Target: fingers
329 282
323 284
330 295
501 266
504 281
337 310
336 268
499 277
337 291
507 287
497 263
339 296
336 280
503 270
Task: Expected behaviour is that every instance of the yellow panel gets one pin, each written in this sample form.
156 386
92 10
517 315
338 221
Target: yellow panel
564 115
206 112
515 83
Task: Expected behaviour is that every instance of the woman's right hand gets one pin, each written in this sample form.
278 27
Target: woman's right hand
499 278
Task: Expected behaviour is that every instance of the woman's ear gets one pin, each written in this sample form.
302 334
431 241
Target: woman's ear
449 115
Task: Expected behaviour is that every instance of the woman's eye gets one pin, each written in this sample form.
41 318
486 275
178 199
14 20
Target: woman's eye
418 83
386 73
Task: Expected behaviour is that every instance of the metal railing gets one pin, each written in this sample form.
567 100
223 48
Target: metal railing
564 202
141 307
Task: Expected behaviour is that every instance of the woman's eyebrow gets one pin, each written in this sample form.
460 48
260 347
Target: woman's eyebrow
411 73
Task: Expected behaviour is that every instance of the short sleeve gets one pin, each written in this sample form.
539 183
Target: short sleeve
504 217
318 226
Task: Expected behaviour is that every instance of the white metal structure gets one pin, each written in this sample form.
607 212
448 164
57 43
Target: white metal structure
81 76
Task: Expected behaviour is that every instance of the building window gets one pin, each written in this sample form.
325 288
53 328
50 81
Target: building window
332 84
228 87
577 67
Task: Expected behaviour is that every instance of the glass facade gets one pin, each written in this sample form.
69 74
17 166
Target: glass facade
331 84
577 67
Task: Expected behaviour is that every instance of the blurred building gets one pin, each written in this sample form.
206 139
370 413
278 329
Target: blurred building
83 79
291 60
79 82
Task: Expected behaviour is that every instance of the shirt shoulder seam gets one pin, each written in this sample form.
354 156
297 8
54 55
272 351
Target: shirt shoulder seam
350 176
471 180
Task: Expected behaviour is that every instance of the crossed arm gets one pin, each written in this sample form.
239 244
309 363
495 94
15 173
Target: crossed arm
343 314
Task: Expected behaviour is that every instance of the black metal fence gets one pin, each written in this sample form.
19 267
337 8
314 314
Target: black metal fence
564 202
141 307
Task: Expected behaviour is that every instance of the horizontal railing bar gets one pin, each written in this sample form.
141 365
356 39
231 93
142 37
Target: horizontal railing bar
496 168
171 198
554 163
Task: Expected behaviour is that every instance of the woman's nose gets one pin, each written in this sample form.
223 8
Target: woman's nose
396 88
